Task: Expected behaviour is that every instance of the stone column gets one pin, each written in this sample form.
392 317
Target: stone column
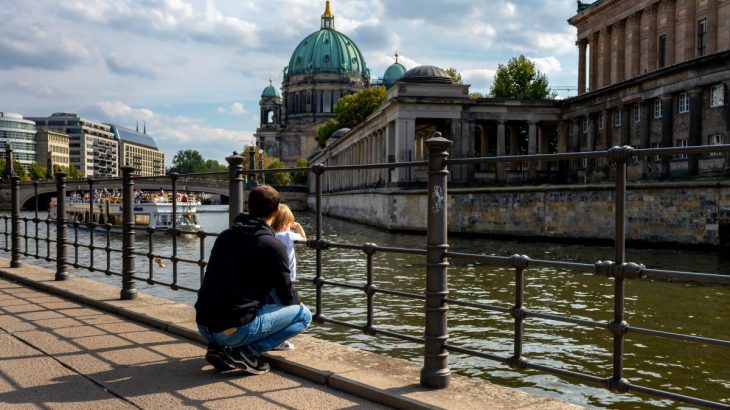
712 26
582 45
593 71
605 57
690 30
695 128
652 46
405 130
620 52
667 133
635 60
670 10
625 125
501 174
532 148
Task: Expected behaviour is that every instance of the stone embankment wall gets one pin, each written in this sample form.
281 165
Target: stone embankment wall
685 213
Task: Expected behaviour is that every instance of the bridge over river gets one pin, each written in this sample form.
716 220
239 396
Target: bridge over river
295 196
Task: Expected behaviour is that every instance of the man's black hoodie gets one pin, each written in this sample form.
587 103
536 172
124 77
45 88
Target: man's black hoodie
246 263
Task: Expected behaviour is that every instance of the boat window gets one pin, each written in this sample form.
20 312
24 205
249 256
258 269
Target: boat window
142 219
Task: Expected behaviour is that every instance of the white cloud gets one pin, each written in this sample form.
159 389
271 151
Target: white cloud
548 65
236 108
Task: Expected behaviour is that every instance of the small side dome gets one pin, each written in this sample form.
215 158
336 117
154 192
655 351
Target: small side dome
339 133
393 73
427 74
270 91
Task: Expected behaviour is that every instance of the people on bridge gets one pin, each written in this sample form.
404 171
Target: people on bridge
234 310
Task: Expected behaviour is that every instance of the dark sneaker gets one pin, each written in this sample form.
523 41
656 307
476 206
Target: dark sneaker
284 346
218 358
243 358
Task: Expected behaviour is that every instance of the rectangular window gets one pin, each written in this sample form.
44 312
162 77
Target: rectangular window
682 143
717 95
637 113
617 118
662 51
584 124
701 37
657 158
683 103
658 108
600 121
715 140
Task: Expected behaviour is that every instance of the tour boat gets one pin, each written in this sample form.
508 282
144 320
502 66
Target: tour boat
150 211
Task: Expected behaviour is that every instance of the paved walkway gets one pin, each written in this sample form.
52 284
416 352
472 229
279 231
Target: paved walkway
59 354
74 344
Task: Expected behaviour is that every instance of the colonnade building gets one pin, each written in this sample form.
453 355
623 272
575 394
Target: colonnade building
653 73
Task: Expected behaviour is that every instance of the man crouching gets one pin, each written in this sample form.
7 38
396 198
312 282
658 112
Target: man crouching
247 304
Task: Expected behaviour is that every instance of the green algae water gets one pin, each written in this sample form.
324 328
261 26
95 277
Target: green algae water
682 367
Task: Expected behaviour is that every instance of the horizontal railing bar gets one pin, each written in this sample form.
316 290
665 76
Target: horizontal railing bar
566 319
400 336
401 293
384 249
677 336
477 305
342 285
693 276
325 319
414 164
166 284
476 353
676 396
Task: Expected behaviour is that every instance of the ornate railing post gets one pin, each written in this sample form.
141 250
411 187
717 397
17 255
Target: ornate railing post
61 268
620 155
251 166
318 170
15 221
129 288
435 372
235 186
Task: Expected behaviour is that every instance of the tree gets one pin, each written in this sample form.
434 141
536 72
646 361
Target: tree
37 172
475 95
521 80
352 110
188 161
301 178
455 75
279 178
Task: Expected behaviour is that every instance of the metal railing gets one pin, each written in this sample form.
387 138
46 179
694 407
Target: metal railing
435 371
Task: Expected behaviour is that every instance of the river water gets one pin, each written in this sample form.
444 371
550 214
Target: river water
682 367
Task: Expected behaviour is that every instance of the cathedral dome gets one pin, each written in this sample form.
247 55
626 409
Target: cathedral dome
427 74
327 51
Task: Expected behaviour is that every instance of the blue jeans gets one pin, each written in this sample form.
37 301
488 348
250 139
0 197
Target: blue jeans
272 325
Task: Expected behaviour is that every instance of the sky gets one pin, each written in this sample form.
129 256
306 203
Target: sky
193 70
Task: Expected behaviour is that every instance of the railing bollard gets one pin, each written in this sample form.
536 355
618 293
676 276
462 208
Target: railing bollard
129 287
617 383
15 221
435 372
251 166
61 268
318 170
235 186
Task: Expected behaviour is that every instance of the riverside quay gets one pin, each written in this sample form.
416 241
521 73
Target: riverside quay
365 297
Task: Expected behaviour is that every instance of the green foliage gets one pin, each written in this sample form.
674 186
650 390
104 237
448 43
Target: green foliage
352 110
324 131
19 170
521 80
71 172
475 95
37 172
213 165
279 178
455 75
301 178
188 161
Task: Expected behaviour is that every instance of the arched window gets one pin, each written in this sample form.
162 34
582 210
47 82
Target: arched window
270 117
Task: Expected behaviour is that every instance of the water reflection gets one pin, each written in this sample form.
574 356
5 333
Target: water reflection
689 368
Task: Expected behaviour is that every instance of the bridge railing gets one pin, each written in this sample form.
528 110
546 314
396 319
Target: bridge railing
437 344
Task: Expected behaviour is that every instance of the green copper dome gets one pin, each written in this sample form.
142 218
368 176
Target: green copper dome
270 91
393 73
327 51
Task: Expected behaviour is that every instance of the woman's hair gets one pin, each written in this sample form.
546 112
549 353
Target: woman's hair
283 219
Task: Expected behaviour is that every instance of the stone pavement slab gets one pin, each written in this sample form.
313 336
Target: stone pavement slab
136 361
